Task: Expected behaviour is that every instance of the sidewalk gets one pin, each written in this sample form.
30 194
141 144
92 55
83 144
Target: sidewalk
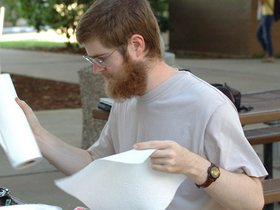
247 74
55 66
36 184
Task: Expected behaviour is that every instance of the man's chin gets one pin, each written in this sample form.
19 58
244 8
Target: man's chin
107 78
118 96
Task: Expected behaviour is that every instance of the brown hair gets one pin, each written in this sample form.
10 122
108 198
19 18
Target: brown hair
113 22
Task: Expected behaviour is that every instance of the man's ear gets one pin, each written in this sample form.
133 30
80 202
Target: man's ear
136 46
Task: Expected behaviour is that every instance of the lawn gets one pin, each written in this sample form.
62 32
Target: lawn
31 44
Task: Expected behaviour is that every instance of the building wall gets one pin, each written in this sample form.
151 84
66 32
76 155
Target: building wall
216 27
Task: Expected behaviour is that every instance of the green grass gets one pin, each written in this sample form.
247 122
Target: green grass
30 44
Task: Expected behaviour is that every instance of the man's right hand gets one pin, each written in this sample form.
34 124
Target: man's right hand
31 118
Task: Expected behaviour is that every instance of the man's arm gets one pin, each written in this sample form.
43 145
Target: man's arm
232 190
64 157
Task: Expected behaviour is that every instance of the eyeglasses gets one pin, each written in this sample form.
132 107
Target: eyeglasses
100 61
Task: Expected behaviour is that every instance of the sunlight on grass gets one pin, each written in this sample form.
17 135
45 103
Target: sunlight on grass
29 44
43 39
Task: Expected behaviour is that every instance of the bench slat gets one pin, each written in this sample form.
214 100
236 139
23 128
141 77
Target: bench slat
100 114
254 118
271 190
263 135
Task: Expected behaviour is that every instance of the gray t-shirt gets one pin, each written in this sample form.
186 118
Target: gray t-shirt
191 112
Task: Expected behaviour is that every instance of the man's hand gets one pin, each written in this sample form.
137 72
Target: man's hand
168 157
31 118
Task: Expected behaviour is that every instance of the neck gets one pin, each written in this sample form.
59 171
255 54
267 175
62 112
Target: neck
158 73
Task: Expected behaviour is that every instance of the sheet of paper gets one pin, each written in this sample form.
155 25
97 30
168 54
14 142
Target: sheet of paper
122 182
16 136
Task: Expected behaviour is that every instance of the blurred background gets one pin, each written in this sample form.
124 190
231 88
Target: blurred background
189 27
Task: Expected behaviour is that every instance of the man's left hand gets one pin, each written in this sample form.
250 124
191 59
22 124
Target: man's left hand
168 157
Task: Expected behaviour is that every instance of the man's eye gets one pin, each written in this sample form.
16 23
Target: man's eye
99 60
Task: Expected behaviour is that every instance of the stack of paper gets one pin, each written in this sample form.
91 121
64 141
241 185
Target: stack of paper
105 104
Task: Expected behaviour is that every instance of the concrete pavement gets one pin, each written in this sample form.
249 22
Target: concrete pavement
35 184
247 74
60 67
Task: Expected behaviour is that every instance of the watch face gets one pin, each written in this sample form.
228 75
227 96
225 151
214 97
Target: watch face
215 172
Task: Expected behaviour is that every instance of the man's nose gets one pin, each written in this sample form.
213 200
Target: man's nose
97 69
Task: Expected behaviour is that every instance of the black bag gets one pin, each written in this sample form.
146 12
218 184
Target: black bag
233 94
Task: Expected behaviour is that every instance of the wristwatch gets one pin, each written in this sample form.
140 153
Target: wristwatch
213 173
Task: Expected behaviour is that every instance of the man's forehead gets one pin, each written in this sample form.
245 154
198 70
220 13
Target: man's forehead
94 47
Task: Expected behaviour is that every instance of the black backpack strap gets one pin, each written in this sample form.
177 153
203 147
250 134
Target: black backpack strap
185 70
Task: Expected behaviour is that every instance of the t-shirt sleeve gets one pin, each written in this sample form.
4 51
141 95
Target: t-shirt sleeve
227 146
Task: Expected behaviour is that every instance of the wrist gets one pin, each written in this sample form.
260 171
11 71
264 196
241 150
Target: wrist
196 169
213 173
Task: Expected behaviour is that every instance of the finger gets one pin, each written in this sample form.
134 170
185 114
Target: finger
32 119
162 168
19 102
159 161
152 145
24 106
166 160
158 167
163 153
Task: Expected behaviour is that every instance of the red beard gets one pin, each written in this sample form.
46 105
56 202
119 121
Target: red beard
132 81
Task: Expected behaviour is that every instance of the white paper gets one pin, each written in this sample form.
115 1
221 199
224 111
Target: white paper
107 101
16 136
122 182
30 207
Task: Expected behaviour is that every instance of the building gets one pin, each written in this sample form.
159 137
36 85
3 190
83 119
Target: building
216 27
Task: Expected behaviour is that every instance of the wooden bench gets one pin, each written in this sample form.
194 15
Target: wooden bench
100 114
271 190
253 118
264 135
267 136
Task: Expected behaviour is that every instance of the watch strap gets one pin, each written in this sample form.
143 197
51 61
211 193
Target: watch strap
210 179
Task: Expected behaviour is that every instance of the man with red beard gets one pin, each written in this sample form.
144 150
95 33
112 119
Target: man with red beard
194 129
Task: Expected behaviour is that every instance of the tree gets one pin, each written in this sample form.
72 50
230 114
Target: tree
11 11
63 15
60 15
35 12
160 8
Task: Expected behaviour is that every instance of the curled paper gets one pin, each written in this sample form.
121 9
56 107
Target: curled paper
124 181
16 137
